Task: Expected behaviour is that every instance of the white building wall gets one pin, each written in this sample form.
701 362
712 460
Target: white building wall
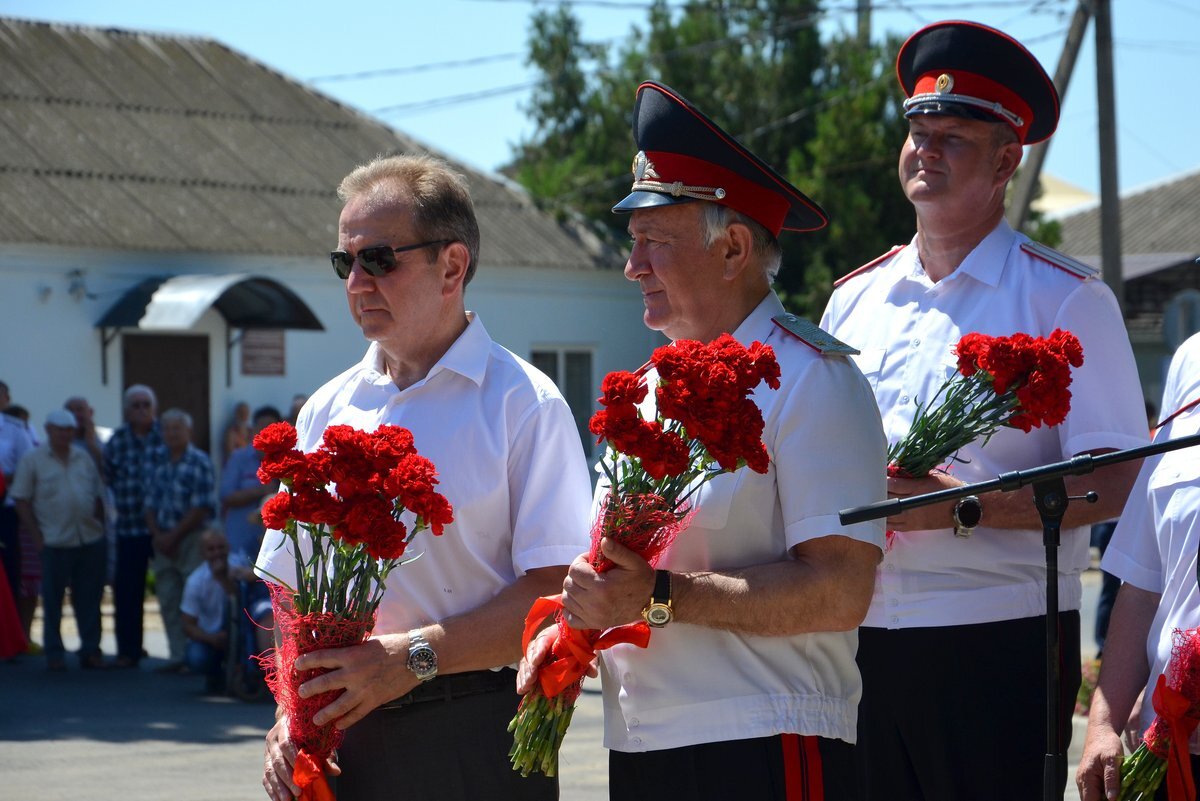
50 348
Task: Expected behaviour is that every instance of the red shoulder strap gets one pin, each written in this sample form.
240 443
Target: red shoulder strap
873 263
1176 413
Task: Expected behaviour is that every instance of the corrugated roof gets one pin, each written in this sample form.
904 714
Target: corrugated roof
136 141
1159 219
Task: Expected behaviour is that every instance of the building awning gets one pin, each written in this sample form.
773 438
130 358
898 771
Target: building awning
174 303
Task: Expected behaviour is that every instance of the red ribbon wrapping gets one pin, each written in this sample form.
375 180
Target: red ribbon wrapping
574 648
1173 708
309 777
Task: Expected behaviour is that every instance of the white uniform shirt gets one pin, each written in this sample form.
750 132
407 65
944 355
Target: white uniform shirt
1154 545
509 460
696 684
906 327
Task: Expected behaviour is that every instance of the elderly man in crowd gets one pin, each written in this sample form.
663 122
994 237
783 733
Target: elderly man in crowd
59 497
179 501
958 619
748 689
510 461
131 456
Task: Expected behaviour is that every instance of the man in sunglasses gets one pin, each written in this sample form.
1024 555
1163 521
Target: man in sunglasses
130 458
426 702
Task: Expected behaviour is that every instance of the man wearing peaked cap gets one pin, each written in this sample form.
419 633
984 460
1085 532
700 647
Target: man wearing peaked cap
749 690
952 651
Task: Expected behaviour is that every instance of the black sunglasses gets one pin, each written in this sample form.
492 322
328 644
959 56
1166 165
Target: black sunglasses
377 261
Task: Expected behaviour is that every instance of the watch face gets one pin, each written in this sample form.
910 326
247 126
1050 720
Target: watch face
969 512
658 615
423 662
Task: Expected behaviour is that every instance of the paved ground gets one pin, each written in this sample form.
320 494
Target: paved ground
137 735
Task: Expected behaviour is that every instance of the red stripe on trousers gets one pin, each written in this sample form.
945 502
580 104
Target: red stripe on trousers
802 768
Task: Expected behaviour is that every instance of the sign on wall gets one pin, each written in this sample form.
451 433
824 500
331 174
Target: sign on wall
262 352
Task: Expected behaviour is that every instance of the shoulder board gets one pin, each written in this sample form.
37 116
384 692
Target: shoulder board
808 333
873 263
1059 260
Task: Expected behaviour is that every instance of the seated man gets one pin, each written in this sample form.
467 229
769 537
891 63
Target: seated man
212 590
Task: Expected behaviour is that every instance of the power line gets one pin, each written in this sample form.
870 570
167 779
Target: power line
438 65
424 105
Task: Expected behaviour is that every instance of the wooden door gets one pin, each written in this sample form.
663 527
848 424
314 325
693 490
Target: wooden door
176 367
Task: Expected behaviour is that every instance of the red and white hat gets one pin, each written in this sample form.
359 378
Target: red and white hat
683 156
969 70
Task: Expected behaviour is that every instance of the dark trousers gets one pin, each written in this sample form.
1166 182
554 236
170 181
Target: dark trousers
10 551
129 594
959 712
785 767
439 750
82 570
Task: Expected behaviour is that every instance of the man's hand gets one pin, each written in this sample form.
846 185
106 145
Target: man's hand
535 655
922 518
617 596
1099 774
281 755
370 674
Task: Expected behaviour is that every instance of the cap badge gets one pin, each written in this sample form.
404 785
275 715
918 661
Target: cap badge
945 83
643 168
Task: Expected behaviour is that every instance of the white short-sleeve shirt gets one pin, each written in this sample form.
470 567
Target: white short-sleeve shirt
696 684
905 326
1154 545
509 460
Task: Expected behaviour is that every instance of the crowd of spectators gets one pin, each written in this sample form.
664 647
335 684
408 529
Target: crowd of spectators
133 508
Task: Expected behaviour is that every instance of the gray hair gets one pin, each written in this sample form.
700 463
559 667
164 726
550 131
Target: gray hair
765 246
437 196
140 389
177 414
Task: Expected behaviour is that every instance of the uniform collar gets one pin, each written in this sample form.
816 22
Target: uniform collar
985 263
468 356
758 325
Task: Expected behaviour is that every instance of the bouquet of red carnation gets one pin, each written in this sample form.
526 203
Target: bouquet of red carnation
1164 748
360 498
1018 381
705 425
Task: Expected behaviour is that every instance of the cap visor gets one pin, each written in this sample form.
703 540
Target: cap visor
947 109
648 200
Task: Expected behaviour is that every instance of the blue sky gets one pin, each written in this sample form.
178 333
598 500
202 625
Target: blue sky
1157 62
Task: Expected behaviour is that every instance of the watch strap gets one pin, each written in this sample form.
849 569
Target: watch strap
662 587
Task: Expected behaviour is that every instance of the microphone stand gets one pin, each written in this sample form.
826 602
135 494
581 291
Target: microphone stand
1051 500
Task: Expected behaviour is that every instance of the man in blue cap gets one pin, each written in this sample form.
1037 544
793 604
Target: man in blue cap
952 651
748 688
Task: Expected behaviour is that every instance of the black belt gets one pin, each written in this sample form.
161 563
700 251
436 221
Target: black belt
457 685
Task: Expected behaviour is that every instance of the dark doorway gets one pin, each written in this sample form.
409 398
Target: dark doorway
176 368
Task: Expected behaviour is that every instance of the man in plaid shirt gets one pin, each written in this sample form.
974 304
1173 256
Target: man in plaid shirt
130 457
179 500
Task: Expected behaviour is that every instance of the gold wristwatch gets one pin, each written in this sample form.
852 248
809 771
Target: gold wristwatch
658 612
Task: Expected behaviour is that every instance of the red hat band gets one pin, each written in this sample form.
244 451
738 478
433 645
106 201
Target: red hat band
968 88
685 176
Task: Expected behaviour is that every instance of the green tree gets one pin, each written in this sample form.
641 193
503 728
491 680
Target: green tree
826 115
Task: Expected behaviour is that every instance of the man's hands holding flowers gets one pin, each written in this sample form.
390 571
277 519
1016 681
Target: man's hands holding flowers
595 600
921 518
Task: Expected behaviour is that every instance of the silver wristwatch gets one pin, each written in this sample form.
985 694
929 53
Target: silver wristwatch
967 514
422 659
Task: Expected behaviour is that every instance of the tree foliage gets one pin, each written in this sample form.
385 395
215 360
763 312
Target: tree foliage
826 114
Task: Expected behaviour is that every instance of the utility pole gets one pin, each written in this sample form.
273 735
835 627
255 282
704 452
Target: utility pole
1026 184
864 22
1110 199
